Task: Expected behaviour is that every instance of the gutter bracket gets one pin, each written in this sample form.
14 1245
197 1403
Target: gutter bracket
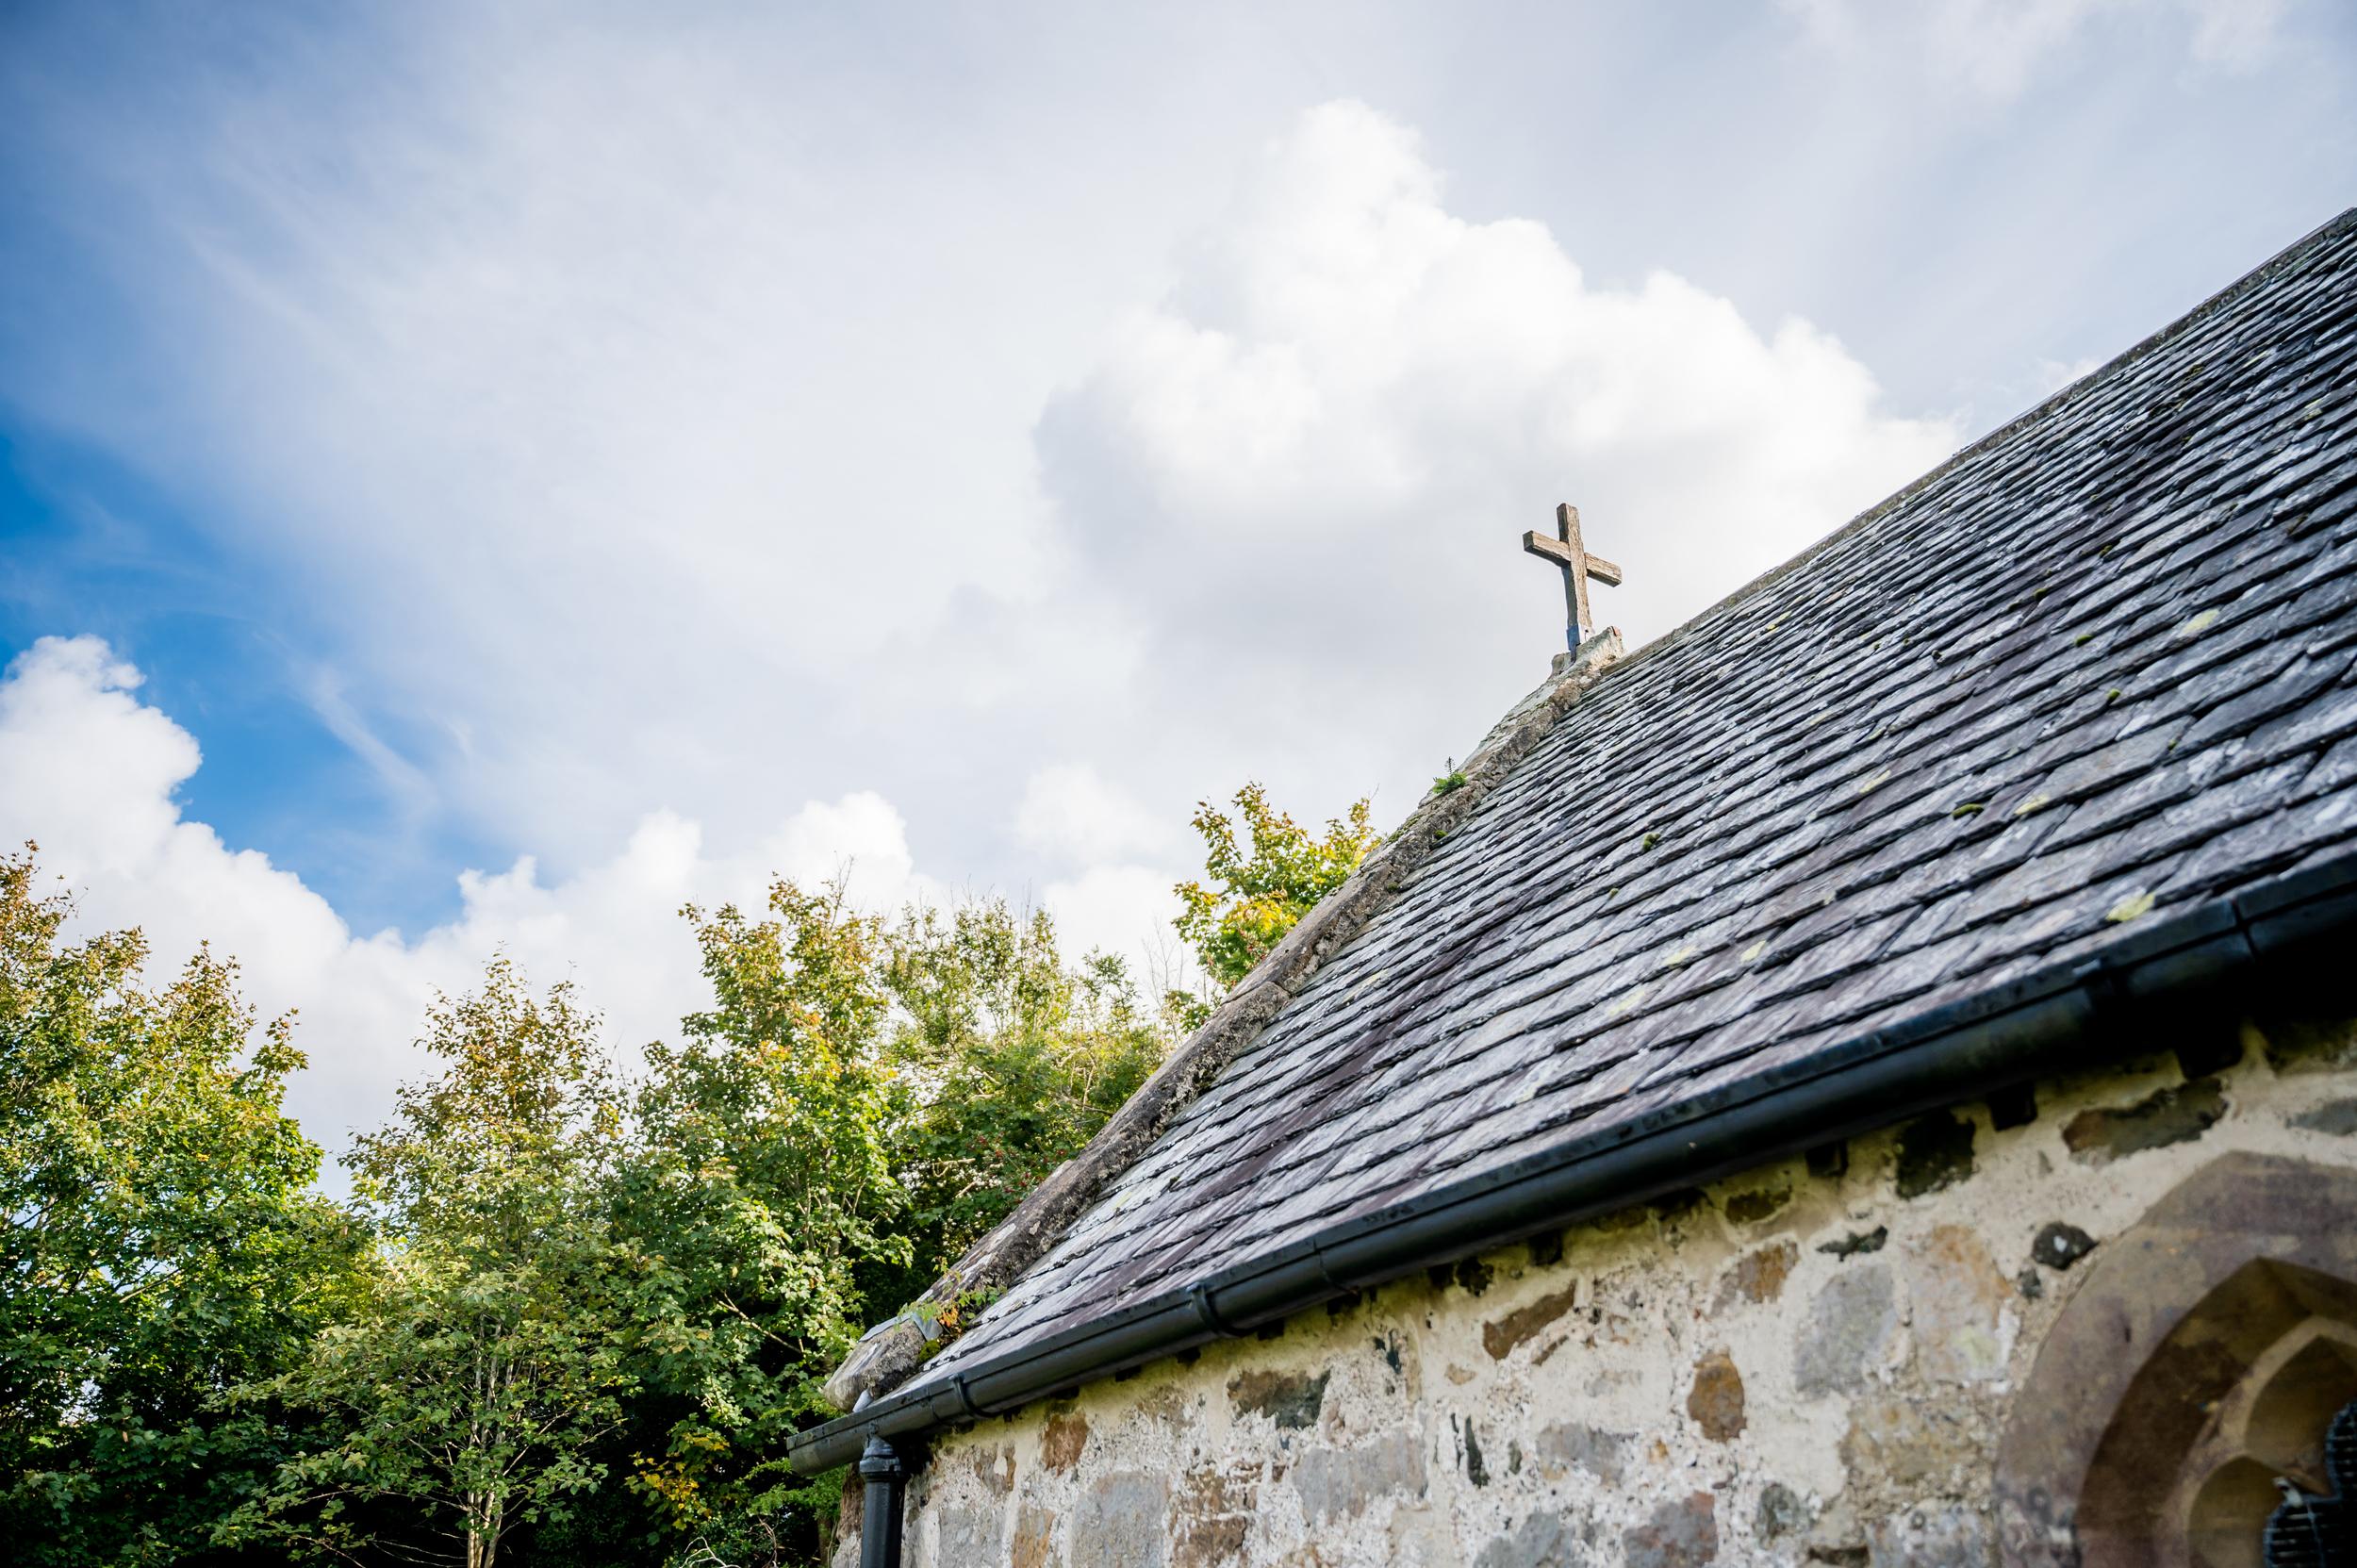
2100 982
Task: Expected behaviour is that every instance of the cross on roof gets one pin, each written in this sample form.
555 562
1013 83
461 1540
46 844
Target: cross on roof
1566 551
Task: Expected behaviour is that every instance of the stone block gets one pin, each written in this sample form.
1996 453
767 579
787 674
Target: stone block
1476 1466
1565 1446
2338 1117
1715 1401
1543 1539
1341 1483
1757 1277
1212 1543
1899 1440
1935 1151
1782 1511
1211 1517
1501 1336
1962 1330
1856 1244
1848 1337
969 1532
1062 1441
1942 1536
2164 1118
2059 1246
1677 1534
1118 1522
1291 1399
1034 1543
1762 1203
994 1466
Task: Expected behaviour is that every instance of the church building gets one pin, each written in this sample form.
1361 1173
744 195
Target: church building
1869 1078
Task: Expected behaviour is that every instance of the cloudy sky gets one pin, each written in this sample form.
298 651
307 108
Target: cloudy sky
488 474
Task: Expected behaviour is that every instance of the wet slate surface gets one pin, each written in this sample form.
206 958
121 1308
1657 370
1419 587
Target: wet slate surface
2103 662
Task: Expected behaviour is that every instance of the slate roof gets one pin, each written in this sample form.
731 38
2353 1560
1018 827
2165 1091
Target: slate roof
2100 666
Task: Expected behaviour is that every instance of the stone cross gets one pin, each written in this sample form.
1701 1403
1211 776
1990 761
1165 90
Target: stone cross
1566 551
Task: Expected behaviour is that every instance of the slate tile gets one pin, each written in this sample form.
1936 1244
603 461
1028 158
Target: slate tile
2334 771
2267 843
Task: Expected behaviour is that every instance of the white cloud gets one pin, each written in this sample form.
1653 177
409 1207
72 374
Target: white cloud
90 772
1304 473
604 402
1350 378
1070 815
1123 910
1119 862
623 487
2237 34
1999 46
654 419
2053 375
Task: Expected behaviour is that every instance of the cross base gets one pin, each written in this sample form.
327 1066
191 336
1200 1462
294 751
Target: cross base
1603 648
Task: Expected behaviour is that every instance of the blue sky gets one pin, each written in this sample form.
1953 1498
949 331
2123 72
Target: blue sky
488 474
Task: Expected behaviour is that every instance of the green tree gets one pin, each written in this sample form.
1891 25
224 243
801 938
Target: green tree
761 1184
470 1390
1264 872
862 1100
159 1241
1008 1061
560 1321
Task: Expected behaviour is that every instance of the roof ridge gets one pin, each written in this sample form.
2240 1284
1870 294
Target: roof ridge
888 1353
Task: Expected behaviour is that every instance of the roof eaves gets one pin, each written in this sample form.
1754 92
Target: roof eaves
1996 1038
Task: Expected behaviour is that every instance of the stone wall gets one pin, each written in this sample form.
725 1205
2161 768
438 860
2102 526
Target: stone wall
1815 1361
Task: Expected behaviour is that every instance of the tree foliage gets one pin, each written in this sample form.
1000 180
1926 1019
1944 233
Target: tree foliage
1264 872
568 1315
763 1183
468 1391
1007 1061
864 1099
159 1241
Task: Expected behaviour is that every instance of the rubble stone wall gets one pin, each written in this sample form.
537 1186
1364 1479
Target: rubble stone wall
1811 1362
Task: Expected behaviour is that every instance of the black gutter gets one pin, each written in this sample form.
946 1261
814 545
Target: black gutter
2060 1017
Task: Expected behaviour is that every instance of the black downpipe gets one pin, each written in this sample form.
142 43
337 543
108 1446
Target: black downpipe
2068 1015
885 1480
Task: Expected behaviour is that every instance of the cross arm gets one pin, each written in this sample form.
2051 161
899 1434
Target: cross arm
1564 555
1552 549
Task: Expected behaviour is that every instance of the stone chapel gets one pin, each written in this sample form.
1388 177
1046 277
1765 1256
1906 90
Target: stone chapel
1868 1078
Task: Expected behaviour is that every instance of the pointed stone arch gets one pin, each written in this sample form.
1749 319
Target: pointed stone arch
2178 1383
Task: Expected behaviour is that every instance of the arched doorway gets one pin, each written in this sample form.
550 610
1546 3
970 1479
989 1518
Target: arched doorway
2198 1364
